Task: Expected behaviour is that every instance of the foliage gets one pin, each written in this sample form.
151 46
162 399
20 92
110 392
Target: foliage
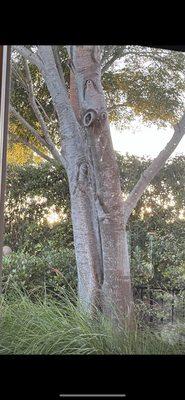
165 193
155 230
62 327
48 271
20 100
169 259
19 154
158 258
146 87
147 82
158 307
31 191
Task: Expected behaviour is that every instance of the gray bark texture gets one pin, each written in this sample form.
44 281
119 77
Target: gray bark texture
99 215
105 273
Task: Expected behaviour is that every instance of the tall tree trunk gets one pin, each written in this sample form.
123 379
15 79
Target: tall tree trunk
85 221
78 168
95 192
106 200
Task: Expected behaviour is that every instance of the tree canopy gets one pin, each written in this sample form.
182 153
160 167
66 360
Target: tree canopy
138 81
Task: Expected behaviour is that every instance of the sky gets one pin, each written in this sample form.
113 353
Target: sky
141 140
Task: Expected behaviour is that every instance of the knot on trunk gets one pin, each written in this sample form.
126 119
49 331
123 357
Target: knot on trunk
91 116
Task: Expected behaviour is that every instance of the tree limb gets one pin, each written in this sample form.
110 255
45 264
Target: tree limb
106 53
57 91
25 87
153 169
39 116
132 52
109 63
35 104
17 75
28 55
26 124
117 53
43 110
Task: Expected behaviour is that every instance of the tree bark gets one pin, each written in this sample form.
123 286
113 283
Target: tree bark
106 196
87 239
81 186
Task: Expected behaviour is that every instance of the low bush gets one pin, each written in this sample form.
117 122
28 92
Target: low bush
47 271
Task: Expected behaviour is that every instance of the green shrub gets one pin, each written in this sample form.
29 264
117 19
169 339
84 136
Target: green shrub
27 235
156 237
48 270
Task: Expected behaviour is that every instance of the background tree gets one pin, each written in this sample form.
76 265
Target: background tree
84 148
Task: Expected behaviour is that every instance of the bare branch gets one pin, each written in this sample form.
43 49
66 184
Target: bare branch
28 126
108 50
109 63
153 169
17 75
33 100
28 55
24 84
116 55
42 108
39 116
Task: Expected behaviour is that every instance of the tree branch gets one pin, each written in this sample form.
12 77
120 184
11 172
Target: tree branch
57 91
25 87
39 116
106 53
26 124
28 55
17 75
132 52
153 169
117 53
43 110
109 63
